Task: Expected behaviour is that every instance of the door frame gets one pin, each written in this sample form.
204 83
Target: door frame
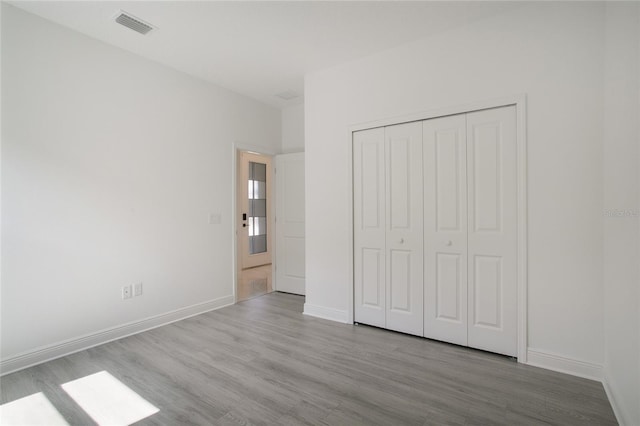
236 148
519 101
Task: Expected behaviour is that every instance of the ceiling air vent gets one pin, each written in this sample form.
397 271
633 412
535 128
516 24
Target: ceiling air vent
133 23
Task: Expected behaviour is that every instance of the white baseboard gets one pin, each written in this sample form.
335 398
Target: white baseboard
326 313
67 347
565 365
622 415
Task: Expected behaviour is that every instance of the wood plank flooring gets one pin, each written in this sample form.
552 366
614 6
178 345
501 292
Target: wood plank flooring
263 362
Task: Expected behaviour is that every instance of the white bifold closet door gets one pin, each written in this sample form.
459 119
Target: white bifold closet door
388 227
445 229
470 229
435 228
369 238
492 230
404 236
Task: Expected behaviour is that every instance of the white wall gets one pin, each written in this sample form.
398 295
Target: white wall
293 129
553 52
622 209
111 165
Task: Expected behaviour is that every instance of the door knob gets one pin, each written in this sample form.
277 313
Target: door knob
401 240
448 242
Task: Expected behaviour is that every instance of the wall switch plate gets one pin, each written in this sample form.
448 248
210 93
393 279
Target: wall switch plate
137 289
126 292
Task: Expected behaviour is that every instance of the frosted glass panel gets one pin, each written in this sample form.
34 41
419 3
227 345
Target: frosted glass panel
257 208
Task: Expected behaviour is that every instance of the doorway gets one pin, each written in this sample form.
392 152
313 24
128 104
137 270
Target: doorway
254 225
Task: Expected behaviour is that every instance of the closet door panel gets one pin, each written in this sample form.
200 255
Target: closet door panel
487 278
404 236
445 222
449 287
492 239
400 279
372 282
369 227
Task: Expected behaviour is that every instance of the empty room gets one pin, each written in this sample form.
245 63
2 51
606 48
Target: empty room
320 212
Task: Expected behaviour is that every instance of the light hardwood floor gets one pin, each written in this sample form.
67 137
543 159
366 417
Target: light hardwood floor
263 362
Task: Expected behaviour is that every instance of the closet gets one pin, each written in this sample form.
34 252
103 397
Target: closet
435 235
389 238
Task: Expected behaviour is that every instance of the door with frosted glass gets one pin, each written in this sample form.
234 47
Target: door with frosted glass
255 209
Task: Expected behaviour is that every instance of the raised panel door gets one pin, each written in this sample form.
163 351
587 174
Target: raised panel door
369 227
404 233
290 223
445 223
492 235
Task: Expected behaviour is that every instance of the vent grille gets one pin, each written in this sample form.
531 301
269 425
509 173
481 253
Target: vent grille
133 23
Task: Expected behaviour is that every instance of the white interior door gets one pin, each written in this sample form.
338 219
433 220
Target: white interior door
404 235
369 227
492 233
445 222
290 257
255 210
440 194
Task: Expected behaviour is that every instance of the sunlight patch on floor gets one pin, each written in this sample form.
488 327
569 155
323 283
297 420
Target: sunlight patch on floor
107 400
33 410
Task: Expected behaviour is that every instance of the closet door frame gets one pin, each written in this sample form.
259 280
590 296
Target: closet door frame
519 101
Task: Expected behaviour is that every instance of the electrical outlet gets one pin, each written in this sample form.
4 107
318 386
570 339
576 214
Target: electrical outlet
137 289
126 292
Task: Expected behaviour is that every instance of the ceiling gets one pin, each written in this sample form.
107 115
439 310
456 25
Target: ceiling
262 48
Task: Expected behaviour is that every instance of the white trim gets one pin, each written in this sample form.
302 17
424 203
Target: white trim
621 416
522 224
68 347
351 287
521 114
517 100
326 313
241 146
563 364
